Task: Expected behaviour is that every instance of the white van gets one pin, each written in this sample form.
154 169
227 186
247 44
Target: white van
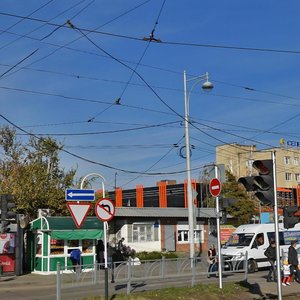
255 238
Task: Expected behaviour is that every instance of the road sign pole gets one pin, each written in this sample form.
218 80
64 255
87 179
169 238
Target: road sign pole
105 227
218 234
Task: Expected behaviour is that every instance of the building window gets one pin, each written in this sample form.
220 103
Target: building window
183 234
142 233
297 177
287 160
296 161
249 163
288 176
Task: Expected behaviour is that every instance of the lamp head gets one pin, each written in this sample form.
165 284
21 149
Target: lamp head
207 86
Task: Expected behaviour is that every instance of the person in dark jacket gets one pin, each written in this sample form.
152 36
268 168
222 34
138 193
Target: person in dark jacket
270 253
212 255
75 257
293 260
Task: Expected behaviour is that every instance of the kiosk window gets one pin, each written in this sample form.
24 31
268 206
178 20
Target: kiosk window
73 243
56 247
87 246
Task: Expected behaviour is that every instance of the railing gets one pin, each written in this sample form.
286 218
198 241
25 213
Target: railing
132 271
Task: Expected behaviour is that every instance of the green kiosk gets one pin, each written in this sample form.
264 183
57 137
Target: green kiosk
51 239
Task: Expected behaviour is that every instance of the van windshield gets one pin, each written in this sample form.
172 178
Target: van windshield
240 239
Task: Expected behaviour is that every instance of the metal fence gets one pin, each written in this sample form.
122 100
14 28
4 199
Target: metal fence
133 271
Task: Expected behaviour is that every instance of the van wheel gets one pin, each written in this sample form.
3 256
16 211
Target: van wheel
251 266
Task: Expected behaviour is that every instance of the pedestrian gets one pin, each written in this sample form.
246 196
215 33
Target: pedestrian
211 254
270 253
100 253
286 273
75 257
293 261
120 246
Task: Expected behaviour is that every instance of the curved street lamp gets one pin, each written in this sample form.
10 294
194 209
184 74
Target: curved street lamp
207 85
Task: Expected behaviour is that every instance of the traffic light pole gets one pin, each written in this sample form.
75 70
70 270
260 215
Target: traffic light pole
279 291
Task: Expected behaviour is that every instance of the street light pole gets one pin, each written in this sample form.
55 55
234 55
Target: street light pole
188 169
206 86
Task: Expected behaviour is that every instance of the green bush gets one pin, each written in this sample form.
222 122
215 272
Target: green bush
155 255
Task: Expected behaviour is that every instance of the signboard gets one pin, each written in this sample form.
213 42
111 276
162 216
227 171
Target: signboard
7 251
80 195
226 231
79 212
105 210
215 187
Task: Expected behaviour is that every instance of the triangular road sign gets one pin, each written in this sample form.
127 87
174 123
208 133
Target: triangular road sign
79 212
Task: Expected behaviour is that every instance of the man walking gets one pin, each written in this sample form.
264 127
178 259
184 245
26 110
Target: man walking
270 253
293 260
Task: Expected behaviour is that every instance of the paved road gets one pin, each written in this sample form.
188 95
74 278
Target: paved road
43 287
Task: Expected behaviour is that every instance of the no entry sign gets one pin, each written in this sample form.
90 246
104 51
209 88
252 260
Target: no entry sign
215 187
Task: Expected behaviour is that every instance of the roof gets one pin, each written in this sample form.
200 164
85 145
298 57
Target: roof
170 212
66 223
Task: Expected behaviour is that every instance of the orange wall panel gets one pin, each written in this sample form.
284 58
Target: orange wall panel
119 197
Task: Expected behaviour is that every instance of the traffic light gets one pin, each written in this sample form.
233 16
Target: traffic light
289 217
224 204
6 215
247 182
264 182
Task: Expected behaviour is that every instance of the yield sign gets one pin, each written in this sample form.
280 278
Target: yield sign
79 212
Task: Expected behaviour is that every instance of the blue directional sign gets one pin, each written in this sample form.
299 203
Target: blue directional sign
80 195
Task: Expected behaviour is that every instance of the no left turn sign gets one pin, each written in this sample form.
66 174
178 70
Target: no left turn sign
105 210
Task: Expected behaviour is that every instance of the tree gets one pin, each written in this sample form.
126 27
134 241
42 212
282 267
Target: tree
244 208
30 171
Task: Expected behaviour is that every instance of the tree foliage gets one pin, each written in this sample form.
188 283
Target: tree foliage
31 173
244 208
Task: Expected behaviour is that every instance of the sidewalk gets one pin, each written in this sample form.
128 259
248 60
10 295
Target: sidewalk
36 287
259 288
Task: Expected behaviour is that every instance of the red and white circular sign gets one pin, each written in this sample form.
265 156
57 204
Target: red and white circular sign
105 210
215 187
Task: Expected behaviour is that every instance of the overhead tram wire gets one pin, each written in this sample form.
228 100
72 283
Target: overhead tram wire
159 160
83 99
22 60
98 122
38 60
216 46
133 72
174 89
89 160
74 16
21 20
59 47
140 77
39 27
155 93
105 132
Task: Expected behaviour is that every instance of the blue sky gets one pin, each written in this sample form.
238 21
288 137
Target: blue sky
77 75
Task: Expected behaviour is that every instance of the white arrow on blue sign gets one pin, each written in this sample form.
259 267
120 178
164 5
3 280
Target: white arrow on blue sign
80 195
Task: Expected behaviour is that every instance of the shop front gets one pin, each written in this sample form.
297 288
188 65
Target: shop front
51 240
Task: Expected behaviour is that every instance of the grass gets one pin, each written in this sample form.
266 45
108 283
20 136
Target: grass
230 291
